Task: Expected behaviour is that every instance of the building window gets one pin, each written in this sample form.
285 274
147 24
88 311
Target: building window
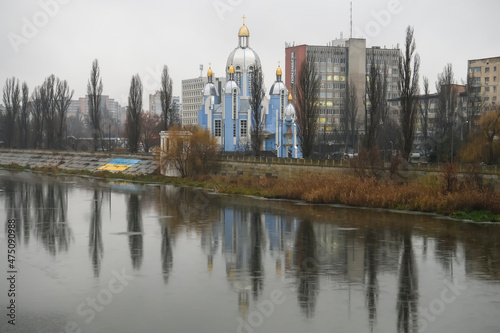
282 104
495 69
495 89
476 81
486 99
486 80
243 128
475 69
494 79
218 127
486 89
486 69
234 128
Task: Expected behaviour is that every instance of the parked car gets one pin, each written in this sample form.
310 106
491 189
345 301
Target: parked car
337 156
415 155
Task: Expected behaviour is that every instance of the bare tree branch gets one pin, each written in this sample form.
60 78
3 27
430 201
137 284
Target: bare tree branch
167 108
257 91
408 91
307 99
134 113
94 93
12 102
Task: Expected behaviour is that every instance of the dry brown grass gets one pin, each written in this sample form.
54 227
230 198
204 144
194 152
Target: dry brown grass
424 195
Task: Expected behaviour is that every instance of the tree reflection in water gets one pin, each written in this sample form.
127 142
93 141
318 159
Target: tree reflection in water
166 252
51 225
306 268
95 233
407 301
134 227
256 267
371 270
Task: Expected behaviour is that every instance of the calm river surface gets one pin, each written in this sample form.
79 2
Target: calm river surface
119 257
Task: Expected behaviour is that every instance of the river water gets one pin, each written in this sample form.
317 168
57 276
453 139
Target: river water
96 256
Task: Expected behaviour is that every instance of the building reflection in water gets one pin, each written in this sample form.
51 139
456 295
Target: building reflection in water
210 239
134 228
237 250
96 248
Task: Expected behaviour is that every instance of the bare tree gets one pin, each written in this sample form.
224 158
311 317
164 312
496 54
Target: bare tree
307 91
94 93
24 118
12 102
47 94
445 115
134 113
36 118
257 91
408 91
424 108
167 109
63 99
150 124
374 94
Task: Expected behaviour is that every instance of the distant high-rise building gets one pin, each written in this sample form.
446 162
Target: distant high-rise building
340 62
74 108
109 107
484 79
155 105
192 97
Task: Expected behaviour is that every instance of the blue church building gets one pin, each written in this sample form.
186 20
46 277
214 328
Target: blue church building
228 116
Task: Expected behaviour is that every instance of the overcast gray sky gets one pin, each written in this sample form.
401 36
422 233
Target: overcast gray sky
63 37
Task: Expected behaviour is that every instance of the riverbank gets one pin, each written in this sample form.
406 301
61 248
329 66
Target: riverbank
467 200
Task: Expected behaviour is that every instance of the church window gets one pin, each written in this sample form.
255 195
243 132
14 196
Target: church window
238 79
282 103
243 128
218 127
235 103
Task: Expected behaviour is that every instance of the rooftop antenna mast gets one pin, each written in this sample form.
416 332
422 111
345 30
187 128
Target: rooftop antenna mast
351 20
201 70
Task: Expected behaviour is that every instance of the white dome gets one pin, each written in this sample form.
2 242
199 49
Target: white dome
242 58
277 87
210 90
230 85
290 111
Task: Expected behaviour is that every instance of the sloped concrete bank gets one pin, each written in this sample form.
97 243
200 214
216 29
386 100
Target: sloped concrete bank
139 165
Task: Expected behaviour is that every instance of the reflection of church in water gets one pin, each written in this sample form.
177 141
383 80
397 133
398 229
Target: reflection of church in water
227 112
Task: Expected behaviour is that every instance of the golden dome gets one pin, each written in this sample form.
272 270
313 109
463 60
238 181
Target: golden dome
290 96
278 71
243 31
210 73
231 70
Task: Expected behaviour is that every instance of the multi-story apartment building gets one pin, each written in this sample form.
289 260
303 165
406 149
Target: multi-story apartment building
484 80
192 97
109 107
340 62
155 104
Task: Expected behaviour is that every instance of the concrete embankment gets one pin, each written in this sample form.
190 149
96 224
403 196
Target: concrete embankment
127 164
